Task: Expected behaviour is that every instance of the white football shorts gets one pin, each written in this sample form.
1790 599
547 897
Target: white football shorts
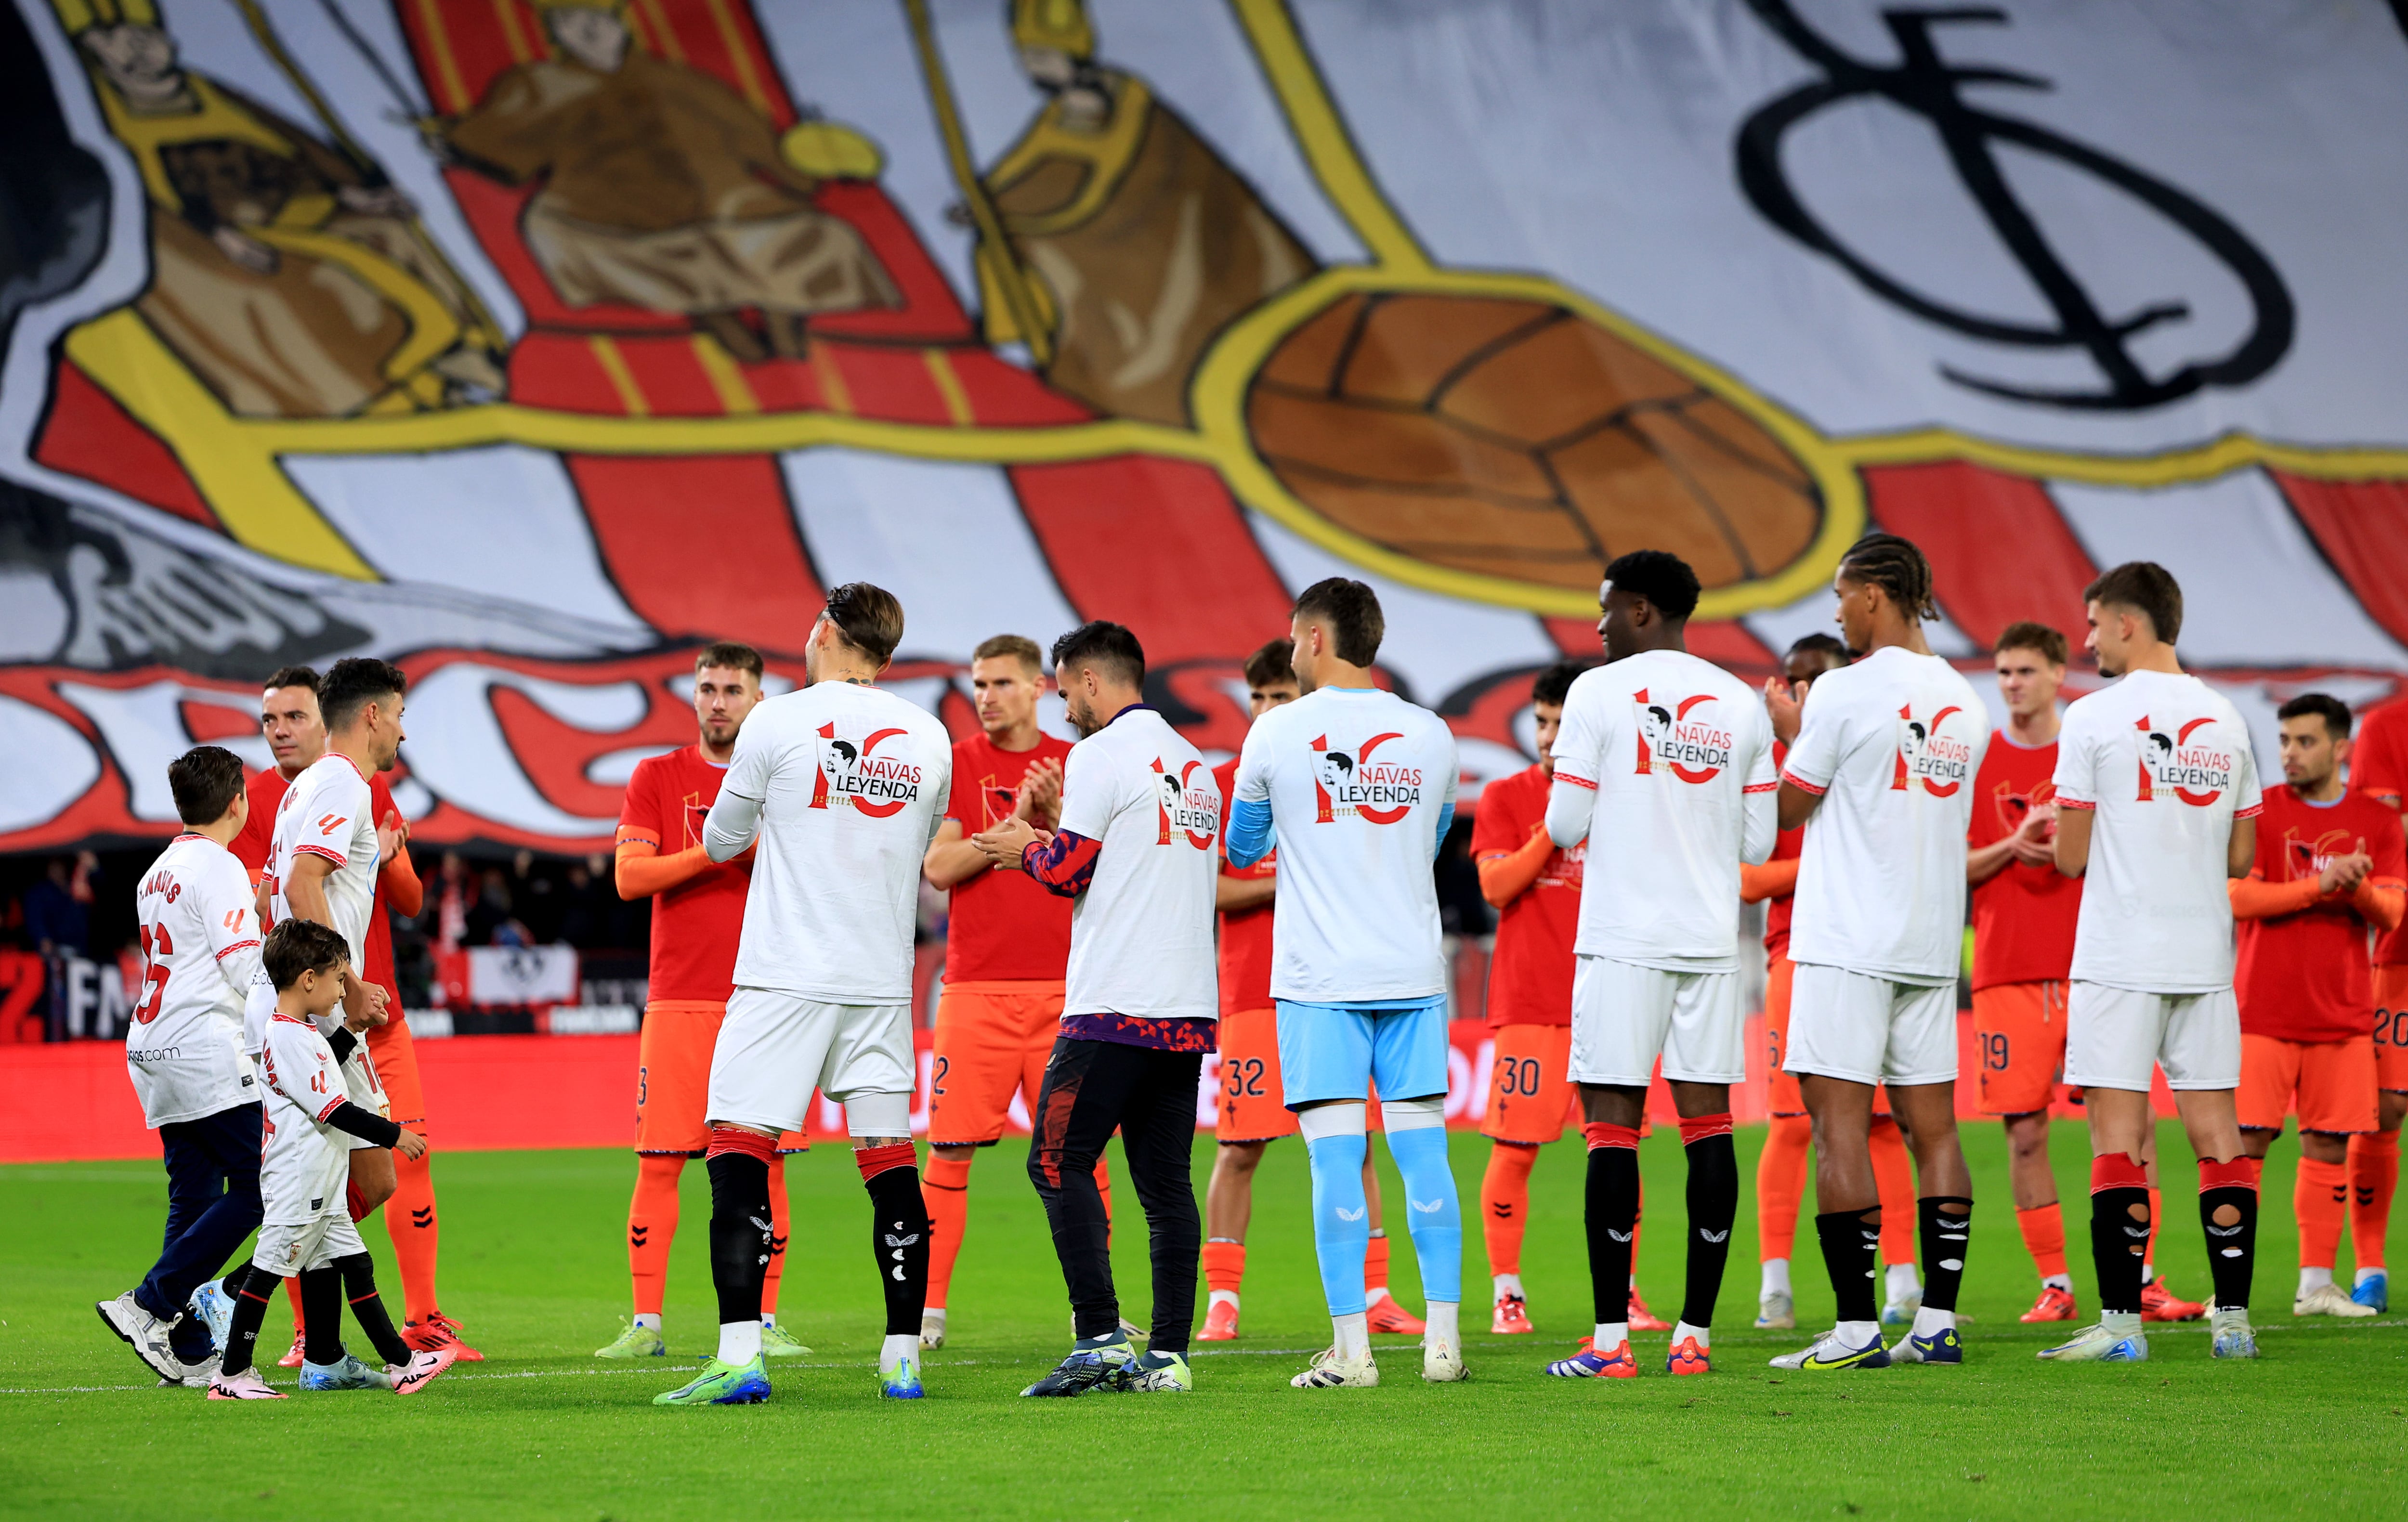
1626 1016
286 1250
1867 1029
774 1049
2114 1035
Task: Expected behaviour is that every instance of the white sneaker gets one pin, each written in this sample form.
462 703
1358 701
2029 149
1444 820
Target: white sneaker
1441 1362
246 1386
2328 1300
1776 1310
411 1377
932 1329
2096 1344
148 1335
1331 1372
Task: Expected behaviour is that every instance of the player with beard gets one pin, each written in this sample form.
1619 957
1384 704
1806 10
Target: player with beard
1657 955
697 915
2378 767
842 786
1135 853
2157 804
1883 768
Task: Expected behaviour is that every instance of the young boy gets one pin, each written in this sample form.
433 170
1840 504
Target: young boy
307 1229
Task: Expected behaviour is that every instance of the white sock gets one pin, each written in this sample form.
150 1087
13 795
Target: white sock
1221 1297
2122 1323
1903 1281
1682 1329
1634 1283
1610 1335
2057 1281
1509 1286
1375 1295
1352 1336
1928 1321
739 1342
2227 1318
895 1349
1776 1277
1439 1317
2366 1274
768 1320
933 1313
1857 1333
2149 1274
2313 1279
649 1318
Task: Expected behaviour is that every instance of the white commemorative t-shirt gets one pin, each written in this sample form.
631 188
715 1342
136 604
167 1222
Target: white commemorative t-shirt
1356 779
200 950
305 1162
1677 750
1141 930
1891 744
851 782
326 813
2164 763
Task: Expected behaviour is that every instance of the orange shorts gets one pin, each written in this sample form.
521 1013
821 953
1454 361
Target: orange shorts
992 1042
2019 1032
396 1056
1252 1108
1530 1092
673 1079
2332 1081
2390 1029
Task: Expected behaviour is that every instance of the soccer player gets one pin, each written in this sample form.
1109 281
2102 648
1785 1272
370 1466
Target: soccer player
698 914
2378 767
2157 804
1883 768
1781 1168
1359 787
1137 853
1664 760
1007 943
295 731
1249 1114
311 1124
200 950
842 785
2330 867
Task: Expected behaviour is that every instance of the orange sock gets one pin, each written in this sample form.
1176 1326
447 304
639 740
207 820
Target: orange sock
946 1188
1780 1183
1375 1265
409 1221
292 1293
2157 1214
778 1211
1893 1178
652 1226
2374 1174
2044 1229
1104 1188
2320 1199
1224 1267
1505 1205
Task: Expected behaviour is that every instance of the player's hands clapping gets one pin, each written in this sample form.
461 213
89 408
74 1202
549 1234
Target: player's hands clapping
1005 842
393 834
411 1145
1040 796
2034 842
1787 708
2342 874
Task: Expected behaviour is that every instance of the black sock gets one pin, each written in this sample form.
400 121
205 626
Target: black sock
1714 1204
368 1308
1852 1255
898 1234
250 1292
1613 1212
2119 1239
1944 1222
322 1315
740 1233
2230 1214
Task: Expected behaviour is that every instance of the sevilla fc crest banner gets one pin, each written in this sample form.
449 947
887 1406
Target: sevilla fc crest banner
533 343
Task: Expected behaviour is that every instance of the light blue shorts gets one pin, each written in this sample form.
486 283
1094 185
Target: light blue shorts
1335 1051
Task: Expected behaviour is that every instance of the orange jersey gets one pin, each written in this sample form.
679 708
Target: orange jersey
1002 927
1245 936
2378 767
1787 846
2305 977
266 790
696 924
2023 918
1530 972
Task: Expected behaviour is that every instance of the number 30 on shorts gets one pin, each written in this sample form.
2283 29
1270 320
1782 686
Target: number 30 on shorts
1518 1076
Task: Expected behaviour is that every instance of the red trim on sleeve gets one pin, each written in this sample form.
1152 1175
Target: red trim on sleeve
1760 787
2064 802
336 857
232 949
332 1106
1562 776
2249 812
1801 784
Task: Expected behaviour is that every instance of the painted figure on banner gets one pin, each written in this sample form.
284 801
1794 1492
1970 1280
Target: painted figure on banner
288 273
660 187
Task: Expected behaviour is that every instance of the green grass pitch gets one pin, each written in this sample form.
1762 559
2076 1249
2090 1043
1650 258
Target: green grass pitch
534 1265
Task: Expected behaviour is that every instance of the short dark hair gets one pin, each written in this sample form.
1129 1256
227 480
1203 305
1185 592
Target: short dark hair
352 685
869 619
292 676
2335 712
734 655
1272 665
1353 612
1898 568
205 780
1108 648
1554 684
2029 635
2148 589
1819 643
1661 576
295 947
1018 646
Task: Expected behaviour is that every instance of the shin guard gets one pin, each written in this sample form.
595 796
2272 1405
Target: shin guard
1612 1216
899 1229
1714 1205
1944 1224
2119 1229
740 1223
2228 1210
